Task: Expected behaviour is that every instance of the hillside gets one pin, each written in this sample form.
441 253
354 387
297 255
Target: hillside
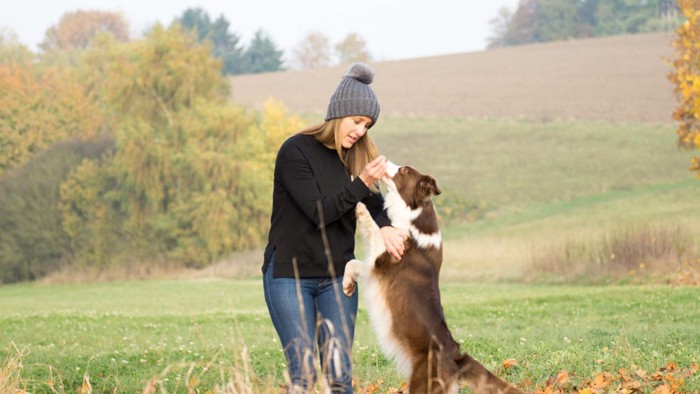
612 78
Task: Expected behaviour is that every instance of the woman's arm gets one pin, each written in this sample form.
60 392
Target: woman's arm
298 179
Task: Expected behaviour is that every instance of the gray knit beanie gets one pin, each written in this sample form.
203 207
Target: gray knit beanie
354 96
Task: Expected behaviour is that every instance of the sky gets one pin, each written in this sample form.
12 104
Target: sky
392 29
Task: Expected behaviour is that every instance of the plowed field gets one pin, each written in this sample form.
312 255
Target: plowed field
613 78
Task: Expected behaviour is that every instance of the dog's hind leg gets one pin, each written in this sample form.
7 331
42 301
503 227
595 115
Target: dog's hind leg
481 380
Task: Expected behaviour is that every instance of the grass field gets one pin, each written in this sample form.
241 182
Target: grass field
180 335
542 176
546 183
541 182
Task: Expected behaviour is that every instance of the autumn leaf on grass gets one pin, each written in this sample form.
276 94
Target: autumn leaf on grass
601 380
641 373
371 388
402 389
656 376
694 367
632 385
509 363
670 367
563 379
663 389
675 383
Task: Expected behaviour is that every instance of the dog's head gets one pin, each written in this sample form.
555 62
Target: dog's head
415 188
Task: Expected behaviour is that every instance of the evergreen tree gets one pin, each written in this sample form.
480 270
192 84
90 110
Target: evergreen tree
225 44
262 54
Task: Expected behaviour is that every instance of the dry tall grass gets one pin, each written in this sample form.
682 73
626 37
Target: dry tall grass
651 253
11 371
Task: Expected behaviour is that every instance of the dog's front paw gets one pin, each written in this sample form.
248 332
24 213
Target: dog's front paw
349 285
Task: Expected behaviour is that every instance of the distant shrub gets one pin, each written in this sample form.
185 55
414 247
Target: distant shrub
32 242
622 254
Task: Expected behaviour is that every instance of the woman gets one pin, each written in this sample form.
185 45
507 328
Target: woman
321 173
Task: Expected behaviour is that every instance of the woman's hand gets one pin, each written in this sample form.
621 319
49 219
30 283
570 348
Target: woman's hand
374 171
394 240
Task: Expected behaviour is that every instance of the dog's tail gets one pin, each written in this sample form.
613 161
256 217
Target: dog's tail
480 379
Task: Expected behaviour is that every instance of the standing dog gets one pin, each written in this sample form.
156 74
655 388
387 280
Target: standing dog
403 296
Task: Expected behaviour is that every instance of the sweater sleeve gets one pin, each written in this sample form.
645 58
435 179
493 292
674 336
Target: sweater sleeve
298 179
375 206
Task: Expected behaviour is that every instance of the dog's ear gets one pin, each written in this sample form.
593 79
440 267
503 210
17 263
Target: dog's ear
428 187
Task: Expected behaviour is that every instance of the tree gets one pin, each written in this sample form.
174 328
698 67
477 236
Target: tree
225 44
262 54
556 20
522 27
182 175
686 78
352 49
189 177
11 50
312 52
76 29
32 242
499 28
548 20
38 109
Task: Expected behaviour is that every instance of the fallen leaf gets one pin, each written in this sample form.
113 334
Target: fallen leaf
509 363
670 367
663 389
563 379
641 373
657 376
601 380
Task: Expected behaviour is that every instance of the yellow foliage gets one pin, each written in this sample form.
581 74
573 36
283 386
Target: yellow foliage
76 29
191 174
37 110
686 78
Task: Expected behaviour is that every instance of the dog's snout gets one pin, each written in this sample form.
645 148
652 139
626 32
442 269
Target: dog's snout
391 169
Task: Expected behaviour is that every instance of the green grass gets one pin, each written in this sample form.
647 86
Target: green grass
516 163
544 183
122 335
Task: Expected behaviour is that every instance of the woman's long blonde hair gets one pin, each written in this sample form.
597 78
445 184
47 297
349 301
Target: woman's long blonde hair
357 157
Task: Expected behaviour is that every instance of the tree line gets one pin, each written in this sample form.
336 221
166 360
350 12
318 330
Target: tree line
536 21
119 152
76 30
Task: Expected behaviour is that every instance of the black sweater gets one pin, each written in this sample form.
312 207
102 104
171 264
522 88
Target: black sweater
306 173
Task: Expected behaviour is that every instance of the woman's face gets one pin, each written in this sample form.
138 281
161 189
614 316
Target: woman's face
352 128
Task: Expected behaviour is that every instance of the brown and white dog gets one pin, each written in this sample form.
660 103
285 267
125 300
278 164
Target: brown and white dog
403 296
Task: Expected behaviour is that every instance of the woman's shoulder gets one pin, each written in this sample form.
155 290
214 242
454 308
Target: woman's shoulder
301 141
295 147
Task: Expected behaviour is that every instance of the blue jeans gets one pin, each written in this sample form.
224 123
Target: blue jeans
308 311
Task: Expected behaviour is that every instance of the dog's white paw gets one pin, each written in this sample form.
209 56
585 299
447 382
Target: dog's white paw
349 285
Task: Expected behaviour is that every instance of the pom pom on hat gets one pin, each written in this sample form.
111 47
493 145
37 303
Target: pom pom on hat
361 72
354 96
